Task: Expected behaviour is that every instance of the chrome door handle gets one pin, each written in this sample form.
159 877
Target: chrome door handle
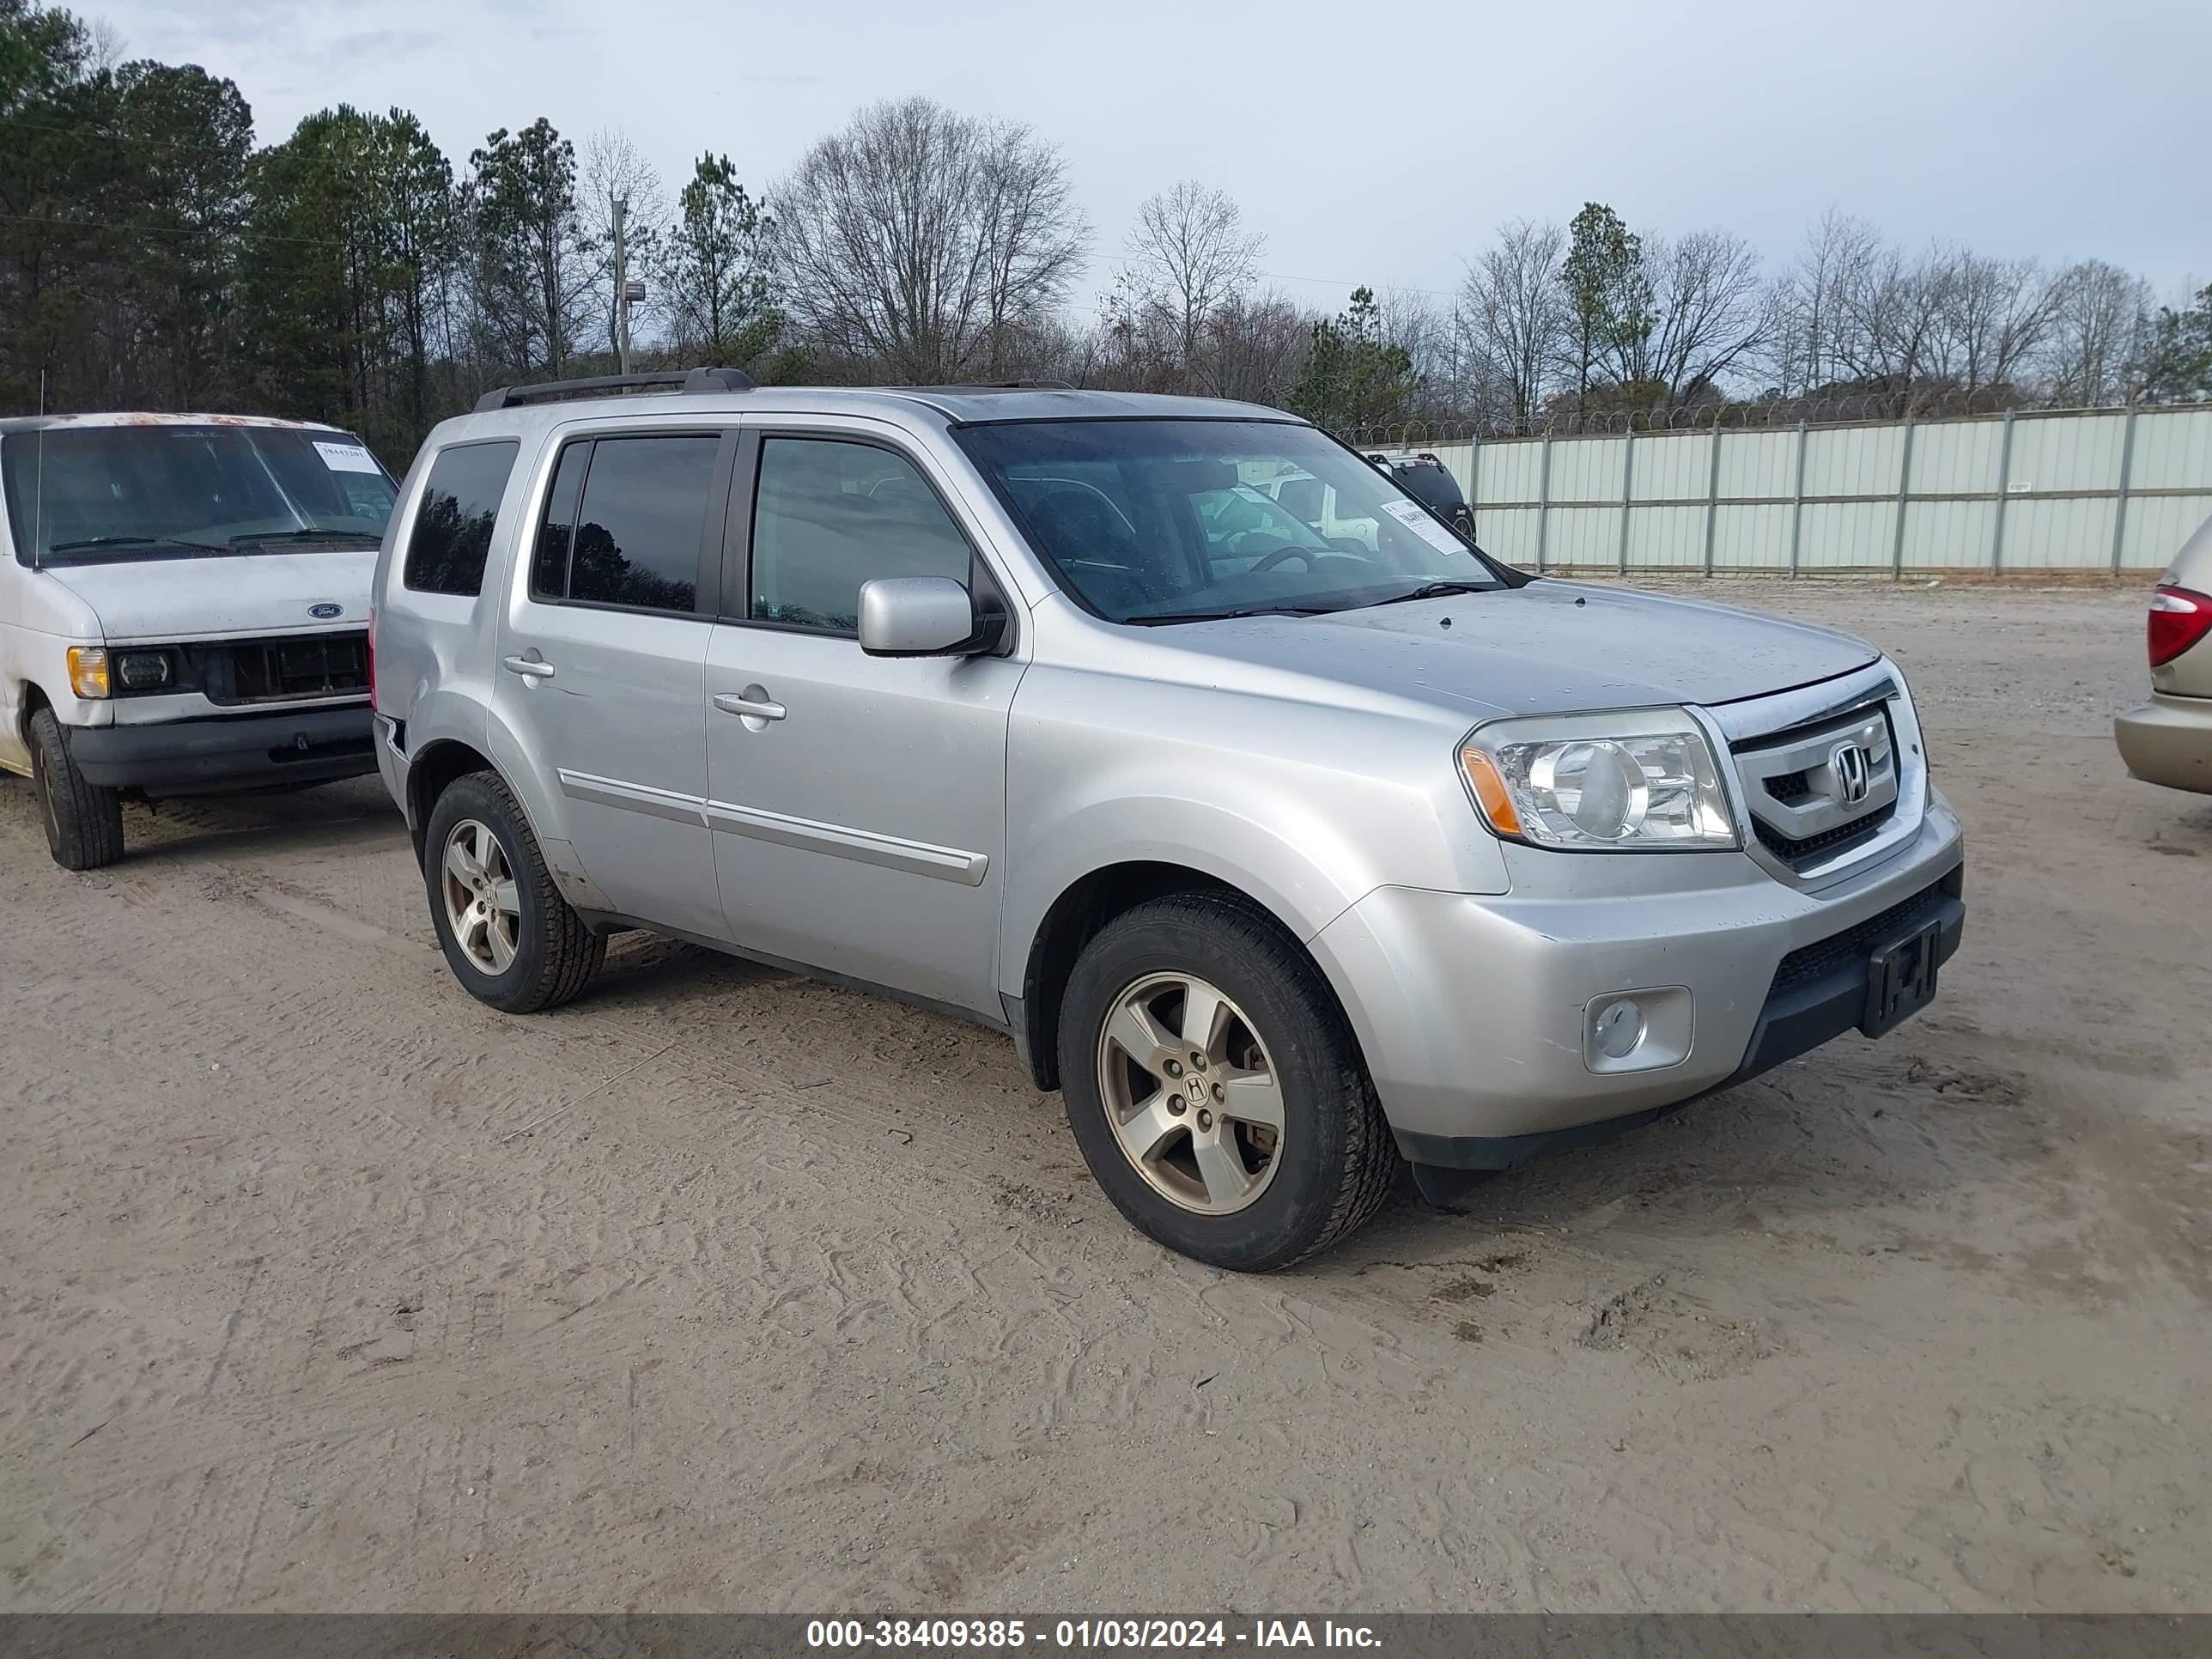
750 708
529 667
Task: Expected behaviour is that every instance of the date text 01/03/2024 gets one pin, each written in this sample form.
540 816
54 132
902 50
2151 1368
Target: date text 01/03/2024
1084 1634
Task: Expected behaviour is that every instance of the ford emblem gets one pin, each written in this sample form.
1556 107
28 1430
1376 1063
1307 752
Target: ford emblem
324 612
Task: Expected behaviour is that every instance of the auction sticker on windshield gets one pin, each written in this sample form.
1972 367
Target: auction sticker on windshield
1417 520
346 457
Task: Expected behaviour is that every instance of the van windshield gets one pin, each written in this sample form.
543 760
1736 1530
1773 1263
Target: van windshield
1190 520
102 494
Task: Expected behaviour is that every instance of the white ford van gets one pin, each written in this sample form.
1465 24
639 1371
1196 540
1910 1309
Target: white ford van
183 609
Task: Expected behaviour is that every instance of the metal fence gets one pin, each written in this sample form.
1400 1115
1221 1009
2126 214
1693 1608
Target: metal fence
2029 490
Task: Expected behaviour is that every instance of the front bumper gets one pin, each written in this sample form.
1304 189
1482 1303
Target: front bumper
2168 740
232 752
1472 1010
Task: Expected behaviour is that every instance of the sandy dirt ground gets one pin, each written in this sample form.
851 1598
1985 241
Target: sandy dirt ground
323 1288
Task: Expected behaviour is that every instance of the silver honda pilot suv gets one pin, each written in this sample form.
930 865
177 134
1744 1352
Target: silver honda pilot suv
1288 857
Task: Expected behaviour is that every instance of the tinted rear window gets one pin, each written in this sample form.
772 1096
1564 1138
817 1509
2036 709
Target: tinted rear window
452 528
1430 484
638 530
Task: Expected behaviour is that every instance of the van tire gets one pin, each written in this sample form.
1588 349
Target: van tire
84 821
555 953
1336 1159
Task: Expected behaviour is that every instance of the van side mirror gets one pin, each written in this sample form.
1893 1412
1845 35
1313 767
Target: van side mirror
925 617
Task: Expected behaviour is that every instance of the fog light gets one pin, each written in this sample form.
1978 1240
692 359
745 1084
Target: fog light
1642 1031
1619 1028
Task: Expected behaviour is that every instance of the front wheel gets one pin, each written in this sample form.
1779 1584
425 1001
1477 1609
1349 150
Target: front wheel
509 937
84 821
1215 1089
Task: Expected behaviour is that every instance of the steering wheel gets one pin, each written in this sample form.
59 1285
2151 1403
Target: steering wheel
1269 561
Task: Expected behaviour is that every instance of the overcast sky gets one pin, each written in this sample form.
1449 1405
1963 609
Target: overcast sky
1371 144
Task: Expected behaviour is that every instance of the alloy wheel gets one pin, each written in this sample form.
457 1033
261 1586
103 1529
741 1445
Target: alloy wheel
1193 1100
484 907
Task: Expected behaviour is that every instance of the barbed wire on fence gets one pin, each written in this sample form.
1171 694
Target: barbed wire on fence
1853 409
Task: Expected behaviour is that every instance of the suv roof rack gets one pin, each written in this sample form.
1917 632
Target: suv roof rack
991 386
678 379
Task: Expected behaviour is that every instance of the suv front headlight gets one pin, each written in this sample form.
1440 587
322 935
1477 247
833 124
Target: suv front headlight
1642 781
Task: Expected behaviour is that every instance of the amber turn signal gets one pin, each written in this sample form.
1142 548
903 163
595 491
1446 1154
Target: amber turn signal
1490 791
88 670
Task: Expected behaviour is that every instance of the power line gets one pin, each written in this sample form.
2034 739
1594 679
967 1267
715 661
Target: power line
52 223
1335 281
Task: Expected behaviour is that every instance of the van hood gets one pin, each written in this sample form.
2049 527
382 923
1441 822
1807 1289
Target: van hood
246 595
1549 647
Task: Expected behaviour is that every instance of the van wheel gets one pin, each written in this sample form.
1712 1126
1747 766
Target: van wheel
84 821
509 937
1215 1089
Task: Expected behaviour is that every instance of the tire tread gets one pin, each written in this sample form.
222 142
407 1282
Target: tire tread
90 815
1371 1163
573 952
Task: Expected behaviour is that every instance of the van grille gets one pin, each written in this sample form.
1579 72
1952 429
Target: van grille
297 667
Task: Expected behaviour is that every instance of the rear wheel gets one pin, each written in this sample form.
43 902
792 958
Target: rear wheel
84 821
509 937
1215 1089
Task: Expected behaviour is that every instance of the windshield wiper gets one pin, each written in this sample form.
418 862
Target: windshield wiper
1243 611
83 543
1433 591
314 533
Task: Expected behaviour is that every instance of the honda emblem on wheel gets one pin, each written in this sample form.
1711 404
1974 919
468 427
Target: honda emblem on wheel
1853 775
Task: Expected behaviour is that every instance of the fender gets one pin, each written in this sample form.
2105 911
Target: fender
452 715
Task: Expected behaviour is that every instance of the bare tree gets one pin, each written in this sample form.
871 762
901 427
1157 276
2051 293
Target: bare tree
618 182
918 240
1706 310
1256 345
1512 314
1191 255
107 44
1806 349
2099 315
1890 313
1994 317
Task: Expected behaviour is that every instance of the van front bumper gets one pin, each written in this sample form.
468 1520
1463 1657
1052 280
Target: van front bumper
227 752
1476 1013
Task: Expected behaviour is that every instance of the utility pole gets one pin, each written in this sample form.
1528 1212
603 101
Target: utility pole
622 285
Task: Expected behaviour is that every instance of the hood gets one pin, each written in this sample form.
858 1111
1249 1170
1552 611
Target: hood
1550 647
250 594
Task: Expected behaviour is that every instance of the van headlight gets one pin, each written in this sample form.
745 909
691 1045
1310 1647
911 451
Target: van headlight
1643 780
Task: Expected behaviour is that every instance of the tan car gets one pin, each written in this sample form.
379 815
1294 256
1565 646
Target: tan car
2168 740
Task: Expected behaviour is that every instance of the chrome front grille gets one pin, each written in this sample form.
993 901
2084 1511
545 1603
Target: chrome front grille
1816 790
1828 776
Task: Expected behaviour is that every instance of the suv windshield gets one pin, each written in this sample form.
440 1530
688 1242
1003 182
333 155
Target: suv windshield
1186 520
99 493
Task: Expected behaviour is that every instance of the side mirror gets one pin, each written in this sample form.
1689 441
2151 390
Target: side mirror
924 616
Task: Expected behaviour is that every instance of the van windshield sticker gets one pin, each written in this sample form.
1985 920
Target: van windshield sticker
1417 520
345 457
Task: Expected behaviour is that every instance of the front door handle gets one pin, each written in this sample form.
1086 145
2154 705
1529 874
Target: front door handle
531 668
755 705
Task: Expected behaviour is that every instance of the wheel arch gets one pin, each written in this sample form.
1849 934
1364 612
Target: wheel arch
433 770
1084 907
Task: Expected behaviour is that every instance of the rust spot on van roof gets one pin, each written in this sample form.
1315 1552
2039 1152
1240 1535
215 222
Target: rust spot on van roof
143 418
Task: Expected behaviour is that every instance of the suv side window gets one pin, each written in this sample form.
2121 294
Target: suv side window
829 514
446 548
622 523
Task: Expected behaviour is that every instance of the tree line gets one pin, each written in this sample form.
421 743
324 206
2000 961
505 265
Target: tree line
153 256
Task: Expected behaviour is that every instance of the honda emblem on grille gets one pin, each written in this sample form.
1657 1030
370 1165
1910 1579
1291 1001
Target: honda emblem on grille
1854 776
